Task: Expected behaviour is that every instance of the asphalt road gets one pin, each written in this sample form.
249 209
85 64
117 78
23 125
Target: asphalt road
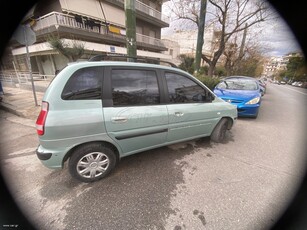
244 183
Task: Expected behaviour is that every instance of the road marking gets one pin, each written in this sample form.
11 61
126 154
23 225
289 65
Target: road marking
296 91
23 151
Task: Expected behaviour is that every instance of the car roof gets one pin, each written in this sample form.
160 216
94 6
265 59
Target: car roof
83 64
239 77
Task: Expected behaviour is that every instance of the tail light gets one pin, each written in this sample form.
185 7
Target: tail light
40 122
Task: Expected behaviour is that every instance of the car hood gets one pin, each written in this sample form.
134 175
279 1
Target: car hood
236 94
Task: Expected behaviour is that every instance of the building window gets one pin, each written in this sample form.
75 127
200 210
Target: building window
152 33
139 30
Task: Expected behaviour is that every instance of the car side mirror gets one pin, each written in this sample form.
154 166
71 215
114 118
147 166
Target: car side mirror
199 97
211 97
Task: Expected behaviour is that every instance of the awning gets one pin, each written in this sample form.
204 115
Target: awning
99 10
87 9
29 14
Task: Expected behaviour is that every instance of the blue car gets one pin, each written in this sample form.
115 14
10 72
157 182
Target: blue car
244 92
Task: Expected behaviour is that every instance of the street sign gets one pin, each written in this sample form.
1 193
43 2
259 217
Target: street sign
24 35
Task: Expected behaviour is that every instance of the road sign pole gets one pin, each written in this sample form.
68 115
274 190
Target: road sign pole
29 66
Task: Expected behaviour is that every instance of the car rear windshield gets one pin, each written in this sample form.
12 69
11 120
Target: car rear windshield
84 84
238 84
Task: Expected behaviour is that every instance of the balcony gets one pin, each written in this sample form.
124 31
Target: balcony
146 13
96 31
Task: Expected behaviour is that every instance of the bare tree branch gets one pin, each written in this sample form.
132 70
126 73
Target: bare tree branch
229 17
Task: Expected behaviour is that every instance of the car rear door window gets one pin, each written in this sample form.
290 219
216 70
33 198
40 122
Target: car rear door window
84 84
134 87
183 90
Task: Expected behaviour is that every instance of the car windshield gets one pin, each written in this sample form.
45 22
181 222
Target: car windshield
238 84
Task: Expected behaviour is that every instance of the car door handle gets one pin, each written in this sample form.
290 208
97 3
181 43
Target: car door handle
119 119
179 114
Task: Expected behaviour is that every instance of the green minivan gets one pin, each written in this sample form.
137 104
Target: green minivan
96 112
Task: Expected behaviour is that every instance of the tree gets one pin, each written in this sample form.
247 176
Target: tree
280 75
234 54
229 17
232 17
72 51
244 59
195 12
296 69
200 35
230 58
187 63
251 66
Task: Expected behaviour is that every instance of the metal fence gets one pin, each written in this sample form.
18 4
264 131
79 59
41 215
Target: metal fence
23 80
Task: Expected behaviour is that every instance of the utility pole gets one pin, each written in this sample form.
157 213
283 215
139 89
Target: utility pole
243 42
200 35
130 29
241 52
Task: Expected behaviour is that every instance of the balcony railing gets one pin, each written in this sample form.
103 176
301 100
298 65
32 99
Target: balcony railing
148 10
59 19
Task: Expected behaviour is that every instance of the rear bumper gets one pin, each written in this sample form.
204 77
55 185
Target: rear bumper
50 159
43 156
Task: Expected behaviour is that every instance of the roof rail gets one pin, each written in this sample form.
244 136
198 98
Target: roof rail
104 57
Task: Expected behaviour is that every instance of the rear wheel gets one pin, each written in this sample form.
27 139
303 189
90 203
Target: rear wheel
219 132
91 162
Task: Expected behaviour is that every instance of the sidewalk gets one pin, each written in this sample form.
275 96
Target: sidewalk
21 102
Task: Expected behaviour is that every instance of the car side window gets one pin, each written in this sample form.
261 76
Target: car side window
134 87
84 84
183 90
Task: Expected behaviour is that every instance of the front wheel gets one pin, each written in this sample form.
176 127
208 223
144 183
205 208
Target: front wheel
91 162
219 132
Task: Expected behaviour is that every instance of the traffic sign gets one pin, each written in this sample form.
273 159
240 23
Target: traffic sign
24 35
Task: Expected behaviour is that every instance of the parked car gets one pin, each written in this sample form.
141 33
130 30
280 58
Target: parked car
300 84
242 91
96 112
282 83
262 85
294 83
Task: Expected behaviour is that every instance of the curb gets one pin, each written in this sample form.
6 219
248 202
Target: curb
11 110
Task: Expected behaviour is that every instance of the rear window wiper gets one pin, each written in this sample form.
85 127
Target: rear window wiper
93 93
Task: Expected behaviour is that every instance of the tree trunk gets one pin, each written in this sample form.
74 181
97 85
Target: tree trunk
211 70
200 34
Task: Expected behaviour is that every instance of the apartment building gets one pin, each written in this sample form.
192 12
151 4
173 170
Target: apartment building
275 64
188 40
99 25
173 49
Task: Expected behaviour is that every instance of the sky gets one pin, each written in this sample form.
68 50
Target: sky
280 39
276 37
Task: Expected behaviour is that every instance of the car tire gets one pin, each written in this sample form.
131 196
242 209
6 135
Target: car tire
219 132
91 162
